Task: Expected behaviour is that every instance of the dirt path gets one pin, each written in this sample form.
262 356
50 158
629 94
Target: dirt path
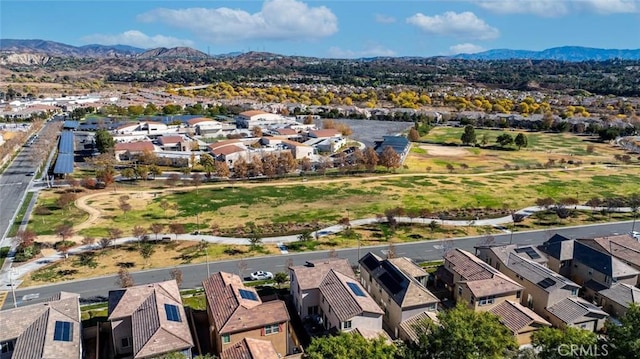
95 214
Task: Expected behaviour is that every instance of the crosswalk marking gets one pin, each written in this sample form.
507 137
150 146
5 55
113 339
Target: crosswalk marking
3 297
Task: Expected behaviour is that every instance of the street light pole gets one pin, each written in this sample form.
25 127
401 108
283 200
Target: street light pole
13 289
206 253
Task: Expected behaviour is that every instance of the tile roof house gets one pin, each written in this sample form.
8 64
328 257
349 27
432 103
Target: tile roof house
236 312
410 329
149 320
475 282
396 290
577 312
45 330
617 299
328 289
325 133
249 348
174 143
125 150
521 320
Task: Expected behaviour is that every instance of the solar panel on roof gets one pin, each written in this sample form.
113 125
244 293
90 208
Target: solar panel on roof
247 294
392 285
528 251
546 283
370 262
356 290
63 331
172 313
64 164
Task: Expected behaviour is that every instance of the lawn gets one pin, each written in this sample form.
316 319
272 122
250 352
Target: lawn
20 215
442 147
45 224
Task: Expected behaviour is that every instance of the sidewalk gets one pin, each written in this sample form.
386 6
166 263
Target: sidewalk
22 270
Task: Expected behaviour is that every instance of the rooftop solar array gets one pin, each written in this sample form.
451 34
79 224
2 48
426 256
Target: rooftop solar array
528 251
64 164
247 294
63 331
172 313
71 124
370 262
356 289
547 282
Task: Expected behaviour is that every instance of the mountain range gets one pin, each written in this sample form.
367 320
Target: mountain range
57 49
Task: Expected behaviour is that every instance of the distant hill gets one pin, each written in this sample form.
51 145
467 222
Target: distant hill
175 52
53 48
565 53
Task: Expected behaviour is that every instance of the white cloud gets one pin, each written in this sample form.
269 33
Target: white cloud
277 20
370 50
384 19
137 39
552 8
462 25
609 6
465 48
547 8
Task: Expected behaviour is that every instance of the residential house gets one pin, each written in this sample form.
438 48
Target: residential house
328 289
617 299
210 128
249 348
149 320
236 312
128 150
588 266
410 328
475 282
398 292
305 282
522 321
262 119
148 127
549 294
624 247
325 133
50 329
174 143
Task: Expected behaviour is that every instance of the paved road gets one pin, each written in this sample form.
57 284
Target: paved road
13 185
194 274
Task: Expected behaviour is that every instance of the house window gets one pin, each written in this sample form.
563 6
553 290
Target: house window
346 325
486 300
518 294
6 347
473 300
574 292
125 342
489 261
173 314
271 329
498 266
459 290
226 339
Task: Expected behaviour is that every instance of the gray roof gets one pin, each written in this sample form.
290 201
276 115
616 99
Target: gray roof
576 310
33 328
558 247
345 303
623 294
66 144
536 273
398 143
405 290
64 164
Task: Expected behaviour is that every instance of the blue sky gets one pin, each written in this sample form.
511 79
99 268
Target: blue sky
338 28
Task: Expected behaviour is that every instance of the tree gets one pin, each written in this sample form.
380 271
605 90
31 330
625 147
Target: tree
222 169
484 140
125 280
624 339
114 233
370 159
196 180
305 164
65 200
177 228
64 231
280 278
176 274
172 179
25 238
504 140
545 203
146 251
256 132
413 135
88 240
104 141
139 232
104 242
286 163
208 163
128 172
389 158
469 135
521 141
124 207
156 228
240 168
305 236
155 171
349 346
255 240
551 342
463 333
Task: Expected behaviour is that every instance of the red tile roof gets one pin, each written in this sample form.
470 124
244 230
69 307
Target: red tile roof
194 121
287 131
250 348
325 133
253 113
227 150
170 139
139 146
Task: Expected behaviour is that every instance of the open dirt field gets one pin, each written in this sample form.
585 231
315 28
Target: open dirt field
436 150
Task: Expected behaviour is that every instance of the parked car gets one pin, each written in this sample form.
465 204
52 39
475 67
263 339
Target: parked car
261 275
635 234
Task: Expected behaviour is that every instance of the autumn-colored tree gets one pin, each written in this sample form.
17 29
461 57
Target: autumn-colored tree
270 165
25 238
413 135
222 169
64 231
371 158
286 163
256 131
156 228
305 164
125 280
65 200
88 240
172 179
241 168
176 274
389 158
328 124
177 228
